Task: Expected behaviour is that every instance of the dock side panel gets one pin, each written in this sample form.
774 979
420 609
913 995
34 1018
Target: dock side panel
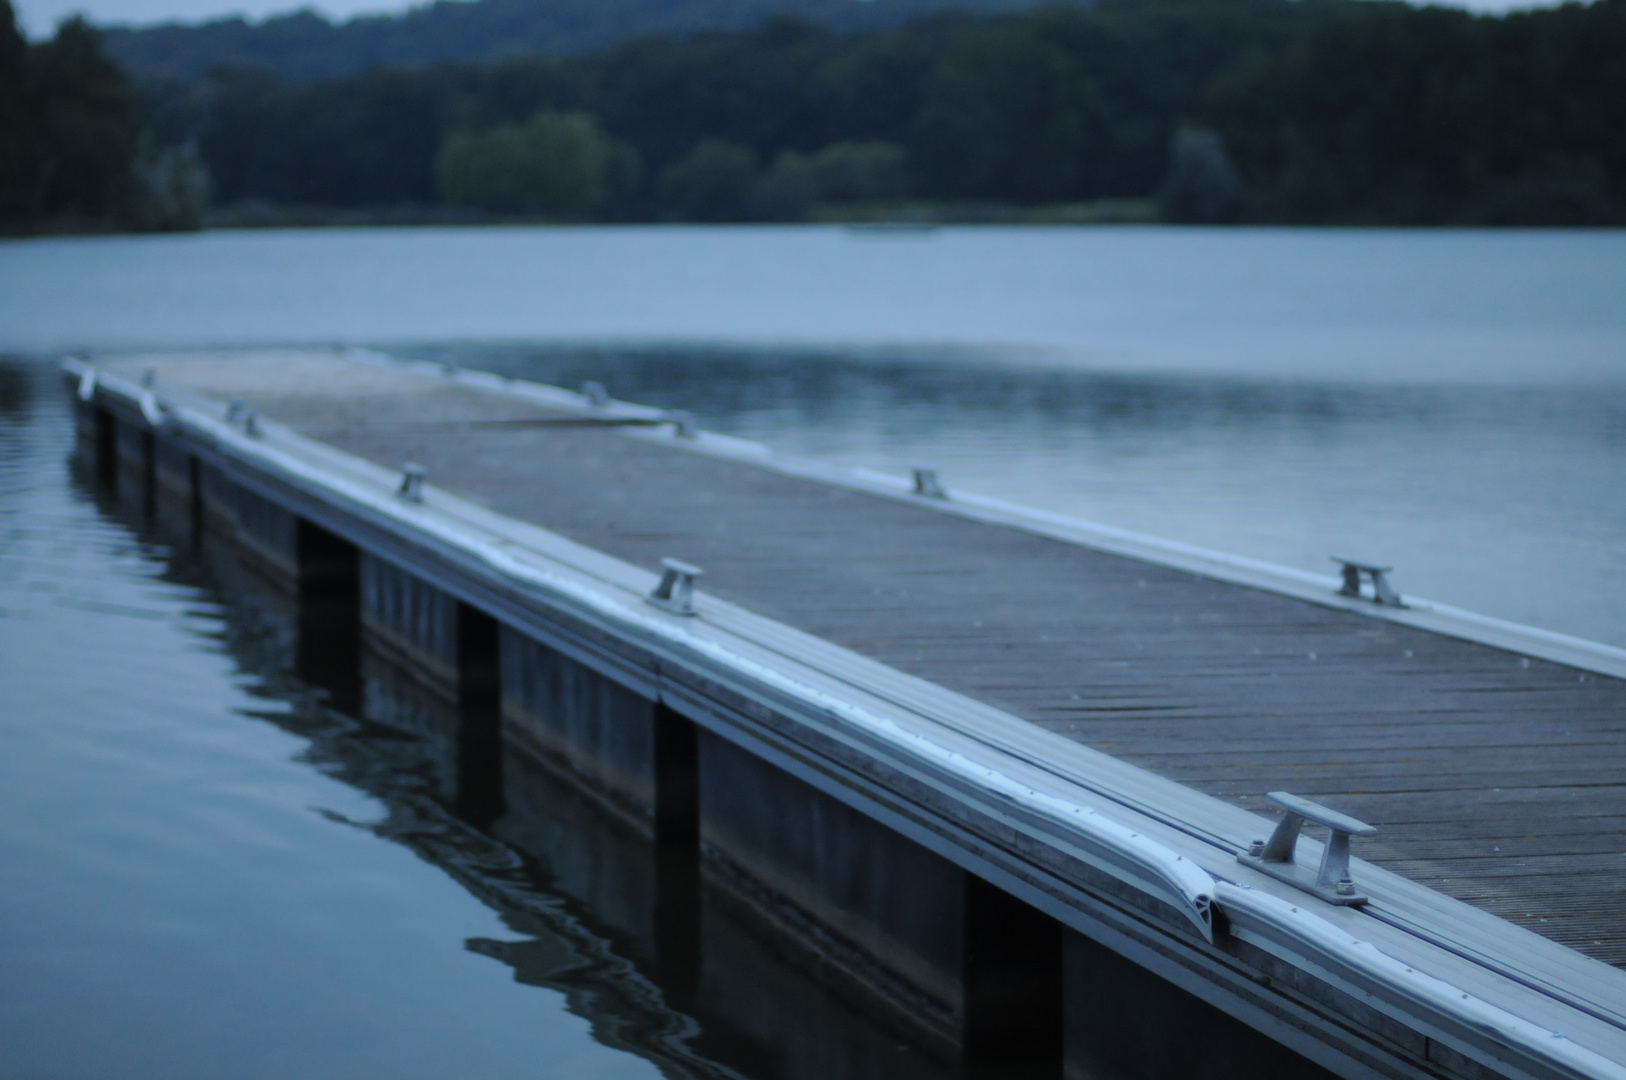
1118 1019
218 496
885 916
594 729
411 622
172 471
269 536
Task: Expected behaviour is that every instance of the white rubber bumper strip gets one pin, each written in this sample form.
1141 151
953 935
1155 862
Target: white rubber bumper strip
1292 933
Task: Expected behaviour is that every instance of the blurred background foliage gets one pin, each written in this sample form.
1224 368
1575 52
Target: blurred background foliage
68 124
75 152
1202 111
305 46
559 164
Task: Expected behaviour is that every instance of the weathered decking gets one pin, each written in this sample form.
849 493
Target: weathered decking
1495 778
991 769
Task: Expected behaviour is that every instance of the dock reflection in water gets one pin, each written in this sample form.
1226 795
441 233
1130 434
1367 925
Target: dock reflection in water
660 962
624 927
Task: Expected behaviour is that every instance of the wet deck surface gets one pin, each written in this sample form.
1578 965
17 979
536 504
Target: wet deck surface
1496 779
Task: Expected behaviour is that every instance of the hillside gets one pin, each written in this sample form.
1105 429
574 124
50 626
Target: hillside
1311 111
305 47
1370 112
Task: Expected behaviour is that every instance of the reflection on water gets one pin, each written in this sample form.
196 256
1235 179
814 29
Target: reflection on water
1508 500
922 386
16 388
196 773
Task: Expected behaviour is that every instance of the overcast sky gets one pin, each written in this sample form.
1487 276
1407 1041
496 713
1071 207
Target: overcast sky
39 17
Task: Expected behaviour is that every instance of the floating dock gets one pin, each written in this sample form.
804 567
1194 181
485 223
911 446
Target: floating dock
1004 774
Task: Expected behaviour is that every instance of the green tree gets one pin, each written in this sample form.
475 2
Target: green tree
16 150
787 191
1202 187
861 171
170 188
68 125
556 163
1387 113
85 130
715 182
1010 114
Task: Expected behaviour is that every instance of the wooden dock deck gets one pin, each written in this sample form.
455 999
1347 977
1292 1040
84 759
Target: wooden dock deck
1495 776
1497 779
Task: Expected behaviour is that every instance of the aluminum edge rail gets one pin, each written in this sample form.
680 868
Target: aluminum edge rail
1259 918
1122 852
1288 931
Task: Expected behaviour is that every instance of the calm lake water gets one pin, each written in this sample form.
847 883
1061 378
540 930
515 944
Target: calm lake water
1449 402
214 861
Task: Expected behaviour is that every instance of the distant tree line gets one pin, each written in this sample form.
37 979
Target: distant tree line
1338 111
73 146
68 124
304 46
1294 111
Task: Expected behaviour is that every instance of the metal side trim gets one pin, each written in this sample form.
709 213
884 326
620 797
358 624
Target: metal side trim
1292 932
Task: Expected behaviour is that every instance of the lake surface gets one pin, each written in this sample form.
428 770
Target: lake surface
222 857
1449 402
215 860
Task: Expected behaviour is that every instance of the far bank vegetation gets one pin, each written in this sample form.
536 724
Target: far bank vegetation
1200 111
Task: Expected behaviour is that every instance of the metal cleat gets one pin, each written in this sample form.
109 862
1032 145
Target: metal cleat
1275 857
675 592
1382 592
151 411
411 488
927 485
682 421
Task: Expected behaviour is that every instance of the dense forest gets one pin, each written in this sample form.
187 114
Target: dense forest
303 46
1294 111
73 149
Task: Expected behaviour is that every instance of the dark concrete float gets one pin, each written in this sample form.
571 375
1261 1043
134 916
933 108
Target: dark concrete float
885 785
